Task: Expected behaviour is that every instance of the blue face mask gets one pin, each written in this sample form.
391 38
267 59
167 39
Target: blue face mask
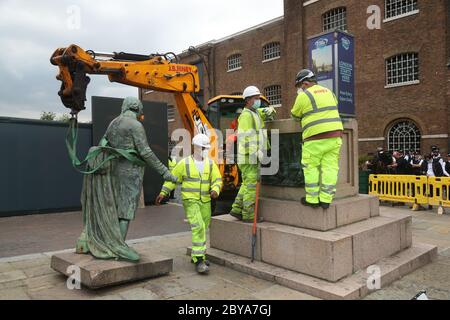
257 104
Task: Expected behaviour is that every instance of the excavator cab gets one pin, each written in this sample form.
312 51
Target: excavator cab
223 112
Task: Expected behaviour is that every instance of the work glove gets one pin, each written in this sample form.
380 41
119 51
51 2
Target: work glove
270 113
167 176
260 155
159 199
214 195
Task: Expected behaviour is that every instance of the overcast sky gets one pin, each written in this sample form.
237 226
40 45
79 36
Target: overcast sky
30 31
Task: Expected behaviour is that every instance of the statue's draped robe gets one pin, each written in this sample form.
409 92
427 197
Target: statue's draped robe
113 192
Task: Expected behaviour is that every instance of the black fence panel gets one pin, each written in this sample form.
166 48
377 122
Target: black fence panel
36 175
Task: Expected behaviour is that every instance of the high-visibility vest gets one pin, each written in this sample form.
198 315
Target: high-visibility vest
317 108
193 184
251 137
172 164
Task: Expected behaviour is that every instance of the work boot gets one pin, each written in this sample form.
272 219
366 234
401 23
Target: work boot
236 215
201 267
324 205
306 203
206 262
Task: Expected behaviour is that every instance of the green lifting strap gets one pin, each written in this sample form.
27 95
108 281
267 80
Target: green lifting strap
113 153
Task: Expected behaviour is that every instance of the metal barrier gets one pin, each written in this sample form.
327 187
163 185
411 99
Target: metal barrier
399 188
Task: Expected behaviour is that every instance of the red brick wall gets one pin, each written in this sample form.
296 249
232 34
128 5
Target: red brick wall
377 107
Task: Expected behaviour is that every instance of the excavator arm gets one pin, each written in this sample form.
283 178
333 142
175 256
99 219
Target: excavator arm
154 72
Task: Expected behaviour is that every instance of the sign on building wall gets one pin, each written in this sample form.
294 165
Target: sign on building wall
332 59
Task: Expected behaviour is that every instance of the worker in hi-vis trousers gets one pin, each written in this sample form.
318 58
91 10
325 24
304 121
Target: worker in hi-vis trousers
317 108
200 181
252 142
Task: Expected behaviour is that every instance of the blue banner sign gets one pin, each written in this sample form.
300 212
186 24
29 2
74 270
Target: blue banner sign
332 59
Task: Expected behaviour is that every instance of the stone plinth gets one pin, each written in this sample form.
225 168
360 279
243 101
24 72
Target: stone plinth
96 273
341 212
348 184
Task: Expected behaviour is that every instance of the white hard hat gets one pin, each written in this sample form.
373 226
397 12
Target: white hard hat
201 140
250 92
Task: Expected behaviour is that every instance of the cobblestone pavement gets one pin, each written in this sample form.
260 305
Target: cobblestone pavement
30 277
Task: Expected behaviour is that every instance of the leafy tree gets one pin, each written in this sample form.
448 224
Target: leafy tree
48 116
63 118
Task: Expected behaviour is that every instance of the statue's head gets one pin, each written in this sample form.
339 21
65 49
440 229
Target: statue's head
134 105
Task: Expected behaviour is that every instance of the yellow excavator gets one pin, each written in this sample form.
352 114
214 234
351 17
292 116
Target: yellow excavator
158 72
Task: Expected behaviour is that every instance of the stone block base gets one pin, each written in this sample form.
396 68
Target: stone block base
355 286
96 273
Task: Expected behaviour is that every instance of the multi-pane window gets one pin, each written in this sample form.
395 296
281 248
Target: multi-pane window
395 8
234 62
271 51
170 113
335 19
273 94
404 135
402 68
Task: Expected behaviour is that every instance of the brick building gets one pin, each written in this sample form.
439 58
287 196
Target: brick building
402 67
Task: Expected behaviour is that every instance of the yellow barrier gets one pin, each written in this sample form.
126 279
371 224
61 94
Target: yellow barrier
438 191
400 188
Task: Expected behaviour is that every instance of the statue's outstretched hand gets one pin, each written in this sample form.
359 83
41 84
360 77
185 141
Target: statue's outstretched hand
170 177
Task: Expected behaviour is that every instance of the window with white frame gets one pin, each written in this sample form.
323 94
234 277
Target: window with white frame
273 94
271 51
170 113
234 62
402 69
394 8
335 19
404 135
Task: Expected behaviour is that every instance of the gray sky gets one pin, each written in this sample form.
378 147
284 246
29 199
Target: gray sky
31 30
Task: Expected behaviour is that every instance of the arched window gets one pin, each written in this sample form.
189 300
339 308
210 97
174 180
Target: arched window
234 62
404 135
335 19
271 51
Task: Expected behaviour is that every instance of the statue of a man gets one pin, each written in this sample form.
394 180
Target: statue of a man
110 196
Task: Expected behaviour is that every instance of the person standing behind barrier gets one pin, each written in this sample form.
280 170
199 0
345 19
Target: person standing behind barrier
447 163
438 164
416 164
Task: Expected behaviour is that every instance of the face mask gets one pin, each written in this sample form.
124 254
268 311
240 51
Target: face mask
257 104
205 153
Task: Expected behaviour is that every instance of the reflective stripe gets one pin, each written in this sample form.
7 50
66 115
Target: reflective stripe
198 251
328 186
198 244
190 190
218 179
311 185
320 110
313 101
191 179
313 123
205 193
312 193
164 188
248 204
251 185
331 193
188 170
